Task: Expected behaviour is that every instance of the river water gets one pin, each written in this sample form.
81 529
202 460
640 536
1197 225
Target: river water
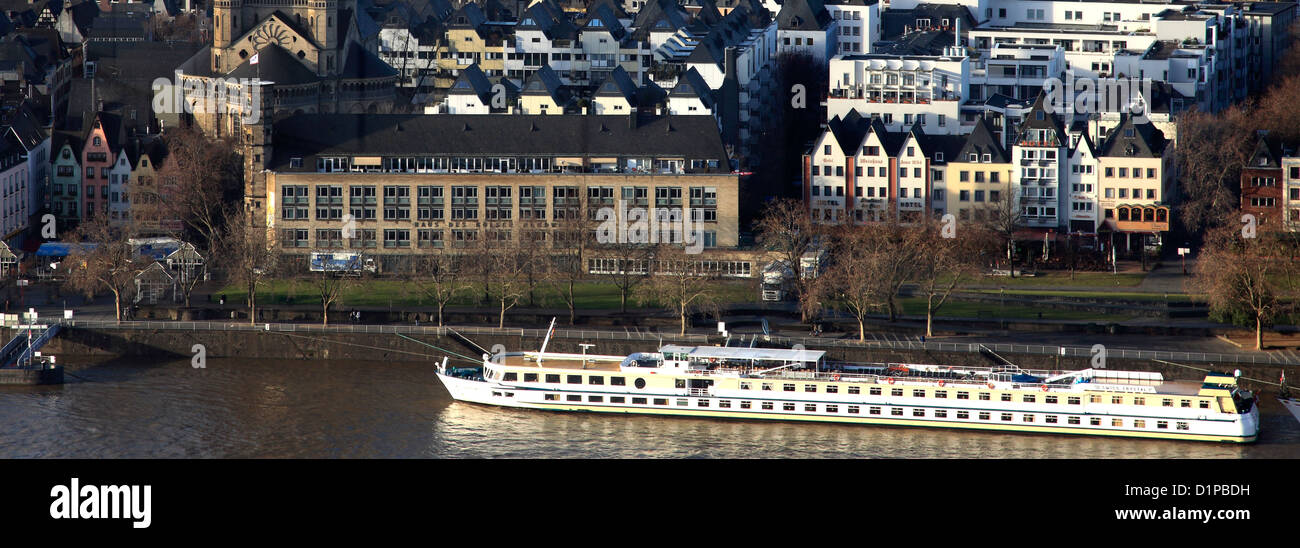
263 408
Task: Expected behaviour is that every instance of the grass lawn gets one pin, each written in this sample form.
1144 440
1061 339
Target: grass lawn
959 309
399 293
1059 279
1155 297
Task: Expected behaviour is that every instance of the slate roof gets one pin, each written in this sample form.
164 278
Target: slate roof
360 63
275 64
691 84
1143 141
618 84
309 135
659 15
982 140
544 81
805 15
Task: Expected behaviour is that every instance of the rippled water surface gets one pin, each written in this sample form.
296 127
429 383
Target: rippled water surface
262 408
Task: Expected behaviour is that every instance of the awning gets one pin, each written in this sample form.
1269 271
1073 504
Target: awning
604 160
562 162
367 161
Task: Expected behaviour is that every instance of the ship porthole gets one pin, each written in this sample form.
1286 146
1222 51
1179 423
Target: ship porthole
640 383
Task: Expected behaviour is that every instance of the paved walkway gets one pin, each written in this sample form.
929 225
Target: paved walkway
1168 278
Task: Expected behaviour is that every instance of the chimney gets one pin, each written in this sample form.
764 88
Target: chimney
631 118
729 63
957 41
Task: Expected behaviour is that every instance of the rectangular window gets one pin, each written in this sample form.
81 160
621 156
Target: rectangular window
767 386
918 393
661 401
553 378
510 377
745 404
1117 400
683 402
573 397
1073 420
1051 419
1073 400
984 396
896 411
853 409
618 381
1050 399
898 392
787 407
1028 418
832 389
810 407
963 414
1029 398
746 386
552 397
918 412
963 395
702 403
1006 397
530 377
874 391
984 415
596 399
1185 403
595 380
1182 426
788 387
1006 417
941 394
809 388
767 405
1094 421
575 379
1205 404
832 409
1167 402
638 401
1162 424
1117 422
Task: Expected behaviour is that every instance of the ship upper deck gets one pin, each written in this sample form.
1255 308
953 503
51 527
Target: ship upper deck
594 363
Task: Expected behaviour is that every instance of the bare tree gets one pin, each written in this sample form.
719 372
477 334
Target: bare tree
1247 280
507 284
1002 218
330 287
435 277
246 256
1211 150
943 260
681 283
861 280
570 240
103 260
199 178
631 268
786 228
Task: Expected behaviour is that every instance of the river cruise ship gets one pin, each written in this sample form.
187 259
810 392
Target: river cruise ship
800 385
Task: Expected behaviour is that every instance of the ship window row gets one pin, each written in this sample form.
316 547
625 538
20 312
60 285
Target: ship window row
921 393
1142 400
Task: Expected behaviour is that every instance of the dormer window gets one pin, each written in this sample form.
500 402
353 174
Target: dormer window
938 157
1040 115
974 157
988 158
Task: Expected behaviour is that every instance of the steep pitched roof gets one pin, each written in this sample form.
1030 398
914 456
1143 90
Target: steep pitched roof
360 63
1266 155
660 16
544 81
1039 118
691 84
1134 140
981 141
804 15
618 84
275 64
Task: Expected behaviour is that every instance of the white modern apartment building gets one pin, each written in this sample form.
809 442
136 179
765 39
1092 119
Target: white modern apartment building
858 22
1016 70
902 90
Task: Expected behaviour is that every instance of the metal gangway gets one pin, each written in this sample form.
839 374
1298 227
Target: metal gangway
27 342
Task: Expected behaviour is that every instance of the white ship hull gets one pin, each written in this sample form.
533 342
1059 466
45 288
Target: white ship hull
1292 405
862 407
